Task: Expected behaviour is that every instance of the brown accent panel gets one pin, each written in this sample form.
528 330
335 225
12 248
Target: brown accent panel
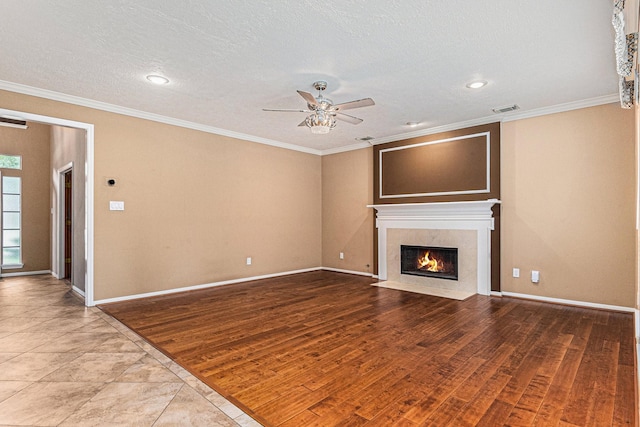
435 167
461 167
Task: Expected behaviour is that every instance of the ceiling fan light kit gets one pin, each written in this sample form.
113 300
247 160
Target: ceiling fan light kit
324 112
320 122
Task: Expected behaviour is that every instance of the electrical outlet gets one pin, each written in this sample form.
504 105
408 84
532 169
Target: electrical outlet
248 260
341 255
516 272
535 276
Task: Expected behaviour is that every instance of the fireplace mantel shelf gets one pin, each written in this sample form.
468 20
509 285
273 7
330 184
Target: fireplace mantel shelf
450 210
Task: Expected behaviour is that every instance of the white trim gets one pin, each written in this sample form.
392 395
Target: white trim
78 290
637 323
203 286
104 106
76 100
475 215
12 266
26 273
487 188
562 108
11 125
89 171
504 117
338 270
88 225
495 294
584 304
352 147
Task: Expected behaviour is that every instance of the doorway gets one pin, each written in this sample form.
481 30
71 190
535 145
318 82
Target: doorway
67 239
88 193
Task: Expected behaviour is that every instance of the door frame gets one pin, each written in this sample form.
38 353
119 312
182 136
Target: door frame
58 253
89 188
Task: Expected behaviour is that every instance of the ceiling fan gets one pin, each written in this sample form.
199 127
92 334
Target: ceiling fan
323 112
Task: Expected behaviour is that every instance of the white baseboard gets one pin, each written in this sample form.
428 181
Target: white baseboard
203 286
78 291
26 273
338 270
567 302
226 282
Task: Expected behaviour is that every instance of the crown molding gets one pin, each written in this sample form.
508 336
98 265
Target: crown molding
112 108
346 148
504 117
561 108
437 129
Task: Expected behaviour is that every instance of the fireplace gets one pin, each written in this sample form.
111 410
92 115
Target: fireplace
466 226
429 261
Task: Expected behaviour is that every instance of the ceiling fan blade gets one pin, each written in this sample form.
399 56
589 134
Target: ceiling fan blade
308 97
347 118
303 123
354 104
280 110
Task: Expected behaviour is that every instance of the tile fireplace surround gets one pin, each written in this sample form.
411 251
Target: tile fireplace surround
436 223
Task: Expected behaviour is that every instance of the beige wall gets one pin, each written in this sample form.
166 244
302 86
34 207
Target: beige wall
196 204
33 145
68 145
568 205
347 224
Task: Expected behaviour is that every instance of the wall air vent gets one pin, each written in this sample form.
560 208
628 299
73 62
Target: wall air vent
13 122
506 109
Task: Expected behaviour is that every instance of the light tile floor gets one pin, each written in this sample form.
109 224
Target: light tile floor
62 364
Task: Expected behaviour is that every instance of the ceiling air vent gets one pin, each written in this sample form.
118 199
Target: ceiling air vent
13 122
506 109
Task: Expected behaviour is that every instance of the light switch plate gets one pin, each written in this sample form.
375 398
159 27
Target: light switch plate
516 272
116 205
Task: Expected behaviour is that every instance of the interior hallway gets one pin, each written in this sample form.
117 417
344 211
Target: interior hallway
62 364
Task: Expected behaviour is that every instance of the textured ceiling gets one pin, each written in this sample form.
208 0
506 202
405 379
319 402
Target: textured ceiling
229 59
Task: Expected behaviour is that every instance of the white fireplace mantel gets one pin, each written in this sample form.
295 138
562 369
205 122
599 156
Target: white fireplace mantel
474 215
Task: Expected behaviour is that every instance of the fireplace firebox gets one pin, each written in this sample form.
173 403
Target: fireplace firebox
429 261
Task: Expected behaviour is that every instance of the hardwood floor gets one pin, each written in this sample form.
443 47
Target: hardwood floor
328 349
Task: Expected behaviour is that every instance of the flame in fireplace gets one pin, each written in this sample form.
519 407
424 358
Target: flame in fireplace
430 264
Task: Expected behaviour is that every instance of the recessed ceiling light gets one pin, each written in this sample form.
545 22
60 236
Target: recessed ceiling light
158 80
412 124
477 84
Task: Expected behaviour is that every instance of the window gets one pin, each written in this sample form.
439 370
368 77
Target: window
11 227
10 162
